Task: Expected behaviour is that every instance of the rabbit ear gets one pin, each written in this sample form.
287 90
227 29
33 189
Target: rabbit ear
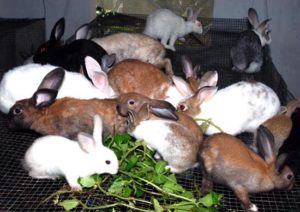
83 32
96 74
265 144
190 13
210 78
98 129
44 97
53 80
107 61
263 26
163 109
58 30
86 142
205 93
182 86
196 14
253 18
292 106
281 160
187 67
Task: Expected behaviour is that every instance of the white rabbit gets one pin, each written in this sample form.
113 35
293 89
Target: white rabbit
52 156
21 82
175 136
165 25
240 107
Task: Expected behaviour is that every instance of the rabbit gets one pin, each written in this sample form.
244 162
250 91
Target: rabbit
225 159
247 53
71 56
22 81
165 25
208 78
280 125
240 107
133 75
51 156
46 115
175 136
136 46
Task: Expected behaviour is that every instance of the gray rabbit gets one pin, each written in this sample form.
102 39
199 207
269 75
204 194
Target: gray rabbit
247 53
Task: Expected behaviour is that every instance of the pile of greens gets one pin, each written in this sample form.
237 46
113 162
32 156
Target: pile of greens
142 184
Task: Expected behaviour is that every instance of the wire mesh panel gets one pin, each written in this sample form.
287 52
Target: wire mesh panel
19 192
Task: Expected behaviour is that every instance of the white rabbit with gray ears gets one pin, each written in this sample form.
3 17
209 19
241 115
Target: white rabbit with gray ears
165 25
247 53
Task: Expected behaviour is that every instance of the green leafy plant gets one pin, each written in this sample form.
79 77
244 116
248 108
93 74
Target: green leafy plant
142 182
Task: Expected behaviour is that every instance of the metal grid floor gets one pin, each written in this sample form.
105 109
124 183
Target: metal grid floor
19 192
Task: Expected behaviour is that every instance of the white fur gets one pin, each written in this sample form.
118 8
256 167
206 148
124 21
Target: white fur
262 39
253 208
240 107
165 25
21 82
157 140
52 156
174 96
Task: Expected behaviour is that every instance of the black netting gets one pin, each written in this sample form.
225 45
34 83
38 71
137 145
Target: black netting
19 192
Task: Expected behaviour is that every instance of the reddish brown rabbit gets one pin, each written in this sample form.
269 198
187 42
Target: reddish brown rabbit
228 161
67 116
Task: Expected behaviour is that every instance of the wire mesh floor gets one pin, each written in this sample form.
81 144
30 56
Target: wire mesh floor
19 192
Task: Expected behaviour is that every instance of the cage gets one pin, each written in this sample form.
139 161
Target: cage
19 192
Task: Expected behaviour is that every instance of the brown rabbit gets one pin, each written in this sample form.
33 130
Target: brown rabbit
175 136
136 46
227 160
132 75
208 78
67 116
281 124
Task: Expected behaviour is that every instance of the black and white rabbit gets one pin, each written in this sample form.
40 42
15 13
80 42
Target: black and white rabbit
247 53
71 56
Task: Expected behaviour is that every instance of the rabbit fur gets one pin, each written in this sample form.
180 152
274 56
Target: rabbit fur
46 157
71 56
132 75
240 107
22 81
66 117
136 46
165 25
247 53
174 136
225 159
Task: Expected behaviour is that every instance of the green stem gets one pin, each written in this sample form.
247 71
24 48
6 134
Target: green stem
129 152
210 123
158 188
59 192
123 198
119 204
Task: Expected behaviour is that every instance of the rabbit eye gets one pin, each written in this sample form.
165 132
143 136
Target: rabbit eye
182 107
289 177
131 102
17 111
107 162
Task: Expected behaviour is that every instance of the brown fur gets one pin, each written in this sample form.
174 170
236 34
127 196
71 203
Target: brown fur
136 46
136 76
186 136
281 124
227 160
68 116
